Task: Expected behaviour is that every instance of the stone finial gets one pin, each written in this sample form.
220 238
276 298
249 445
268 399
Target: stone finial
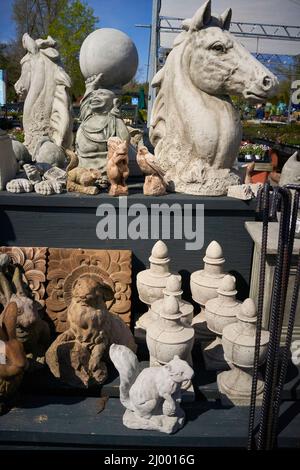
159 253
227 286
205 282
214 254
173 286
152 282
248 312
170 308
220 312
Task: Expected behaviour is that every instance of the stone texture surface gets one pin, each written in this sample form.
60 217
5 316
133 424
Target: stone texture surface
78 355
151 396
194 126
64 266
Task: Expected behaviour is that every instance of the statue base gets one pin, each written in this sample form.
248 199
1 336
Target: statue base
161 423
235 387
212 182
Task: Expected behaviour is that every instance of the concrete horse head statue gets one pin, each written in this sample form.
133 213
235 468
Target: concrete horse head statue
194 127
45 87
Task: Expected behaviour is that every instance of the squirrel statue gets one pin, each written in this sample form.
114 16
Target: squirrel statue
152 395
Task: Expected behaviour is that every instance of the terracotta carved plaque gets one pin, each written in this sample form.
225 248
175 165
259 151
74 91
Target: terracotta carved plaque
66 265
33 263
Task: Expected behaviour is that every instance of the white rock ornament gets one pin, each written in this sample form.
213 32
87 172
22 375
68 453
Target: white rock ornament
168 337
152 282
239 347
152 396
195 128
220 312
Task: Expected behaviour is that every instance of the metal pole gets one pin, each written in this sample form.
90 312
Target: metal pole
156 5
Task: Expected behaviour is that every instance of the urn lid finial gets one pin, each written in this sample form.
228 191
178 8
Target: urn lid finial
170 308
227 286
214 254
173 286
248 312
159 253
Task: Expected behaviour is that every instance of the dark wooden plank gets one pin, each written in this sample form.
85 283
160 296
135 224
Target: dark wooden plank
73 421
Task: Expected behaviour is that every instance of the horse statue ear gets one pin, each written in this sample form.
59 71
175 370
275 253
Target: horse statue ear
202 17
226 18
29 44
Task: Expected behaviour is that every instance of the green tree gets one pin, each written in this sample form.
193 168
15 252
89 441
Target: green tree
73 24
35 16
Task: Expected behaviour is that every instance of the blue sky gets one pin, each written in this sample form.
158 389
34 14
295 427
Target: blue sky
119 14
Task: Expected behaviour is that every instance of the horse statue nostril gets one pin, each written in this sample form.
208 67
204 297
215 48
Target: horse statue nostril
267 82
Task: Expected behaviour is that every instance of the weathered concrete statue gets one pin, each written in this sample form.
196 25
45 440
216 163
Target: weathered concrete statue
47 116
195 127
151 396
78 356
101 119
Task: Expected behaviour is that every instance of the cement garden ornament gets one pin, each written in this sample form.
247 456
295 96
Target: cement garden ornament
173 288
78 356
220 312
205 282
108 60
83 180
195 127
151 396
239 345
152 282
167 337
47 116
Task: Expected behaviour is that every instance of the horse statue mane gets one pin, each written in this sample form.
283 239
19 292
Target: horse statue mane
45 86
194 125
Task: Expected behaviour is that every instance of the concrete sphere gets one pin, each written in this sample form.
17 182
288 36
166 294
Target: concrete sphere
111 52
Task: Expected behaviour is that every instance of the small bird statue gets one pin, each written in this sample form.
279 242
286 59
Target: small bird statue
12 356
155 184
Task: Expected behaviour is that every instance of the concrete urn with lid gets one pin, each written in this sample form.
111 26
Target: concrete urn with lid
152 282
168 336
173 288
220 312
205 282
239 348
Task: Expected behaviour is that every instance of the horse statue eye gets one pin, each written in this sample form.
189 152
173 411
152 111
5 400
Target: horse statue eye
219 48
